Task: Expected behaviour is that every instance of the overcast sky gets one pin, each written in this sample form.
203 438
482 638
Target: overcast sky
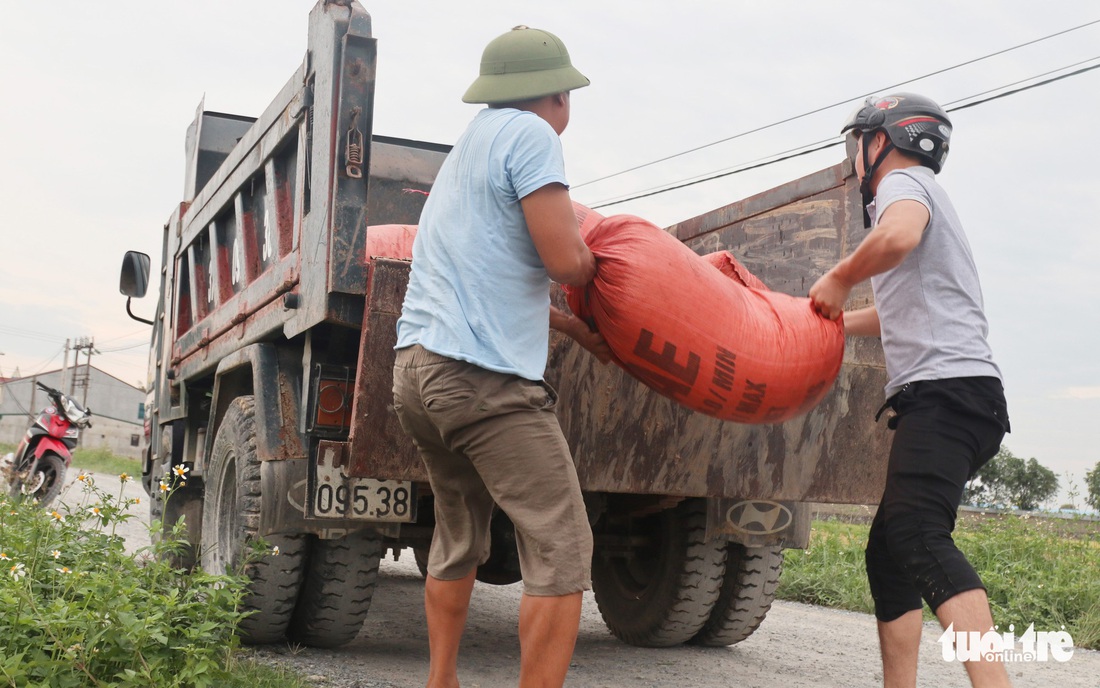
98 97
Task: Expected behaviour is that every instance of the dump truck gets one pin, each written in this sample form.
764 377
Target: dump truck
270 415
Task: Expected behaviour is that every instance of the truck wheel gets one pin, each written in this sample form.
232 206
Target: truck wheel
748 588
420 554
337 591
185 503
502 566
230 521
662 593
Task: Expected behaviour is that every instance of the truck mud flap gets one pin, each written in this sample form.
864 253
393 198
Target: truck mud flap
759 522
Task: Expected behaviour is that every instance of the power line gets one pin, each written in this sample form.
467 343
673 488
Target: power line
47 363
144 331
32 413
718 176
22 408
123 348
803 150
741 167
770 158
129 364
28 334
1026 88
820 145
43 365
1021 81
842 102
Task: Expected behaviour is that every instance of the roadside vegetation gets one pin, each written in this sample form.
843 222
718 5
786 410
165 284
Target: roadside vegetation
1009 482
1037 571
101 460
98 460
79 610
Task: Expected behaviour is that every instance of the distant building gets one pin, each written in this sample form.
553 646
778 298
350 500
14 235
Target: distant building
118 408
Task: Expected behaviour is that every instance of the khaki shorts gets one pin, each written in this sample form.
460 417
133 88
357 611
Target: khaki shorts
490 437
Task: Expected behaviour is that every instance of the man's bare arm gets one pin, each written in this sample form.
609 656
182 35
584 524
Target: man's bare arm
862 323
553 227
576 328
887 245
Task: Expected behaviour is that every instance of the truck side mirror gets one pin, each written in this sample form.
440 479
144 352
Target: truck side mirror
134 281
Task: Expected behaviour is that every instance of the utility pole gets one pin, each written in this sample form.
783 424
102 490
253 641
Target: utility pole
88 371
32 410
82 379
64 366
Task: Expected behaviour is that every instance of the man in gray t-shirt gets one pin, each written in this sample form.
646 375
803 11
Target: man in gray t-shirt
943 386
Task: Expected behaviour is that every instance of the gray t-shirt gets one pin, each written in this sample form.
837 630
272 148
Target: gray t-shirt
930 306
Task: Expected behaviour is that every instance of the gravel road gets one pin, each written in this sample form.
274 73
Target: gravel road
797 646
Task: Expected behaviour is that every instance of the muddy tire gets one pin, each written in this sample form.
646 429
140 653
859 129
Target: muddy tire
230 522
420 555
662 594
502 566
46 481
185 503
337 590
748 590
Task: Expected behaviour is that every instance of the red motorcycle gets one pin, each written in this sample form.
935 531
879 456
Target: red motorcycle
37 467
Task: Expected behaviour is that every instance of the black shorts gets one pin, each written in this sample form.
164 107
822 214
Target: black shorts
946 430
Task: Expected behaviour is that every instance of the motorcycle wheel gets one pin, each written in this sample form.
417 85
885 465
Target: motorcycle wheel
46 481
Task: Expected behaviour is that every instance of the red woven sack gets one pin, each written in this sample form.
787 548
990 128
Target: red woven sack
702 330
390 241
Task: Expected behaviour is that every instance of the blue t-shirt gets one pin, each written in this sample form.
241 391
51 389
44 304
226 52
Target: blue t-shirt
930 306
479 291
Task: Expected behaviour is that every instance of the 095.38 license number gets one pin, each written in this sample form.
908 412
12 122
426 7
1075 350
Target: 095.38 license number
364 498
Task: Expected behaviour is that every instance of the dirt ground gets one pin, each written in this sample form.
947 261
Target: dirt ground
798 645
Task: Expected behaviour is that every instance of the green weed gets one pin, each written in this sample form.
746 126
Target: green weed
101 460
830 572
94 459
78 610
1034 573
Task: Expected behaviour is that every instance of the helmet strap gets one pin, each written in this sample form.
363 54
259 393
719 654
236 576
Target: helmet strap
869 169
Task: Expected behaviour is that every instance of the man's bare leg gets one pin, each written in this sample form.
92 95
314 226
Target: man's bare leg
899 642
446 604
547 635
969 611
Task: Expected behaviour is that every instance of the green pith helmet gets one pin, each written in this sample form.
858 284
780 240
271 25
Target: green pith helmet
522 64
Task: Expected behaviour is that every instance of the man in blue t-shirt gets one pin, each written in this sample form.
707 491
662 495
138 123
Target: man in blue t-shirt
472 344
944 388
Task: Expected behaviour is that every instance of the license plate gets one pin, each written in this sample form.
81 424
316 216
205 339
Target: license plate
334 494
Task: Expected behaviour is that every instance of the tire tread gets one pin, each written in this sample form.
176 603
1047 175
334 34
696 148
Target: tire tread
748 590
679 610
275 580
337 592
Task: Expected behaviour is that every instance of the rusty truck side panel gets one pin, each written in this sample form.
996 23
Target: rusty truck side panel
628 439
274 242
265 259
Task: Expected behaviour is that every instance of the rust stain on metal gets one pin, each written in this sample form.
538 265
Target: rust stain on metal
288 400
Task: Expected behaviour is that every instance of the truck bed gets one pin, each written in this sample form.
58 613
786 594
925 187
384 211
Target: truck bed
628 439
